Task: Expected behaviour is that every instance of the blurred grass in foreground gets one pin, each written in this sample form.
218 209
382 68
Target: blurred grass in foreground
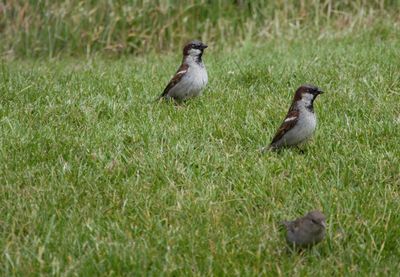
75 27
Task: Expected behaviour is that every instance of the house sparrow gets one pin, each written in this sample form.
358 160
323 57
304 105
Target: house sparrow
191 77
300 121
306 231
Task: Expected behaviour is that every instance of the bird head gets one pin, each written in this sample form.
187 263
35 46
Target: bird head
194 49
307 93
317 220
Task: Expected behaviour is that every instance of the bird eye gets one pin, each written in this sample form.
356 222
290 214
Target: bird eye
314 221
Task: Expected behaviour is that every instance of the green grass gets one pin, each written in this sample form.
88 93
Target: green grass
96 179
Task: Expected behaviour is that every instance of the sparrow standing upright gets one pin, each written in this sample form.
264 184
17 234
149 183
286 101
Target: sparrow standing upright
300 121
191 77
306 231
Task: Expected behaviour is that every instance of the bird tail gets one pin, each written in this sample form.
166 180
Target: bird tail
284 223
271 148
162 96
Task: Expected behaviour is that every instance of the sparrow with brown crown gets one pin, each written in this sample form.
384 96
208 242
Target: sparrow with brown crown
300 122
191 77
306 231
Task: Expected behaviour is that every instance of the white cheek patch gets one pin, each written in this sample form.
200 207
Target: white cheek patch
307 97
194 52
290 118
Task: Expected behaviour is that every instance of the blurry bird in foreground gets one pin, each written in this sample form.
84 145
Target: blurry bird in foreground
306 231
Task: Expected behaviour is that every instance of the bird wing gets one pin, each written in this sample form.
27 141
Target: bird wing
177 77
290 225
289 122
285 224
296 225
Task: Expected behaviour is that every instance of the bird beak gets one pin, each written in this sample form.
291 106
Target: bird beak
320 91
323 223
204 46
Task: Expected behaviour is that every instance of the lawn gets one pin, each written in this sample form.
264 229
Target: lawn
98 179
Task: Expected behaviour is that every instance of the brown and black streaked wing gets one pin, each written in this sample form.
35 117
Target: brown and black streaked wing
286 125
291 226
177 77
